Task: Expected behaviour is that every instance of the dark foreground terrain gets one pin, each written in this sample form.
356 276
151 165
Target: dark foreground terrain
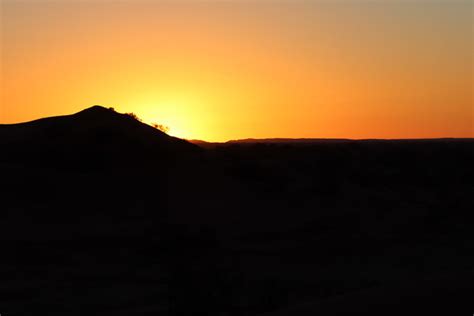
102 215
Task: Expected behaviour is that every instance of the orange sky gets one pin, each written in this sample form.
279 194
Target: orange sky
219 70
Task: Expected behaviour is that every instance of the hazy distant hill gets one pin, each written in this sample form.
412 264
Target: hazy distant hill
287 140
95 134
321 141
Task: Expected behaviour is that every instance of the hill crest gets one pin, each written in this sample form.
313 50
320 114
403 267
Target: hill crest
95 133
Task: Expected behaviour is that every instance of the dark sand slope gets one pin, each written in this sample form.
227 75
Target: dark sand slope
103 215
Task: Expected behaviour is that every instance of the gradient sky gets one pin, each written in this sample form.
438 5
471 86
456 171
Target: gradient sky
219 70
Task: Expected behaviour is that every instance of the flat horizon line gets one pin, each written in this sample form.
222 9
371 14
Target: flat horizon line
103 109
302 139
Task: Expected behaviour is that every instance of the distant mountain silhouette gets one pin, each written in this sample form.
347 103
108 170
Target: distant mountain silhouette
316 141
95 134
305 142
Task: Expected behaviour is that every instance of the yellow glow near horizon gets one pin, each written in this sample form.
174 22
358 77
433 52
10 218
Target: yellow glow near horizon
172 112
220 70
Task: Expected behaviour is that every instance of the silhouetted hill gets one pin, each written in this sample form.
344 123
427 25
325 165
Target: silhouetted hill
95 135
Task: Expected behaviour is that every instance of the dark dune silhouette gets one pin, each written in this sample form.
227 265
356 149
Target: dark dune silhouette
104 215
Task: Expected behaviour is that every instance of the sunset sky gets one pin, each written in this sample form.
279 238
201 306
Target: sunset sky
220 70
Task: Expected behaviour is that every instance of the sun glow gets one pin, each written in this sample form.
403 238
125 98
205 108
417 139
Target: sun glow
179 114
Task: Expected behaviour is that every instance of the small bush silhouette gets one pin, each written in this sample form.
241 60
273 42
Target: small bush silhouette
134 116
161 127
